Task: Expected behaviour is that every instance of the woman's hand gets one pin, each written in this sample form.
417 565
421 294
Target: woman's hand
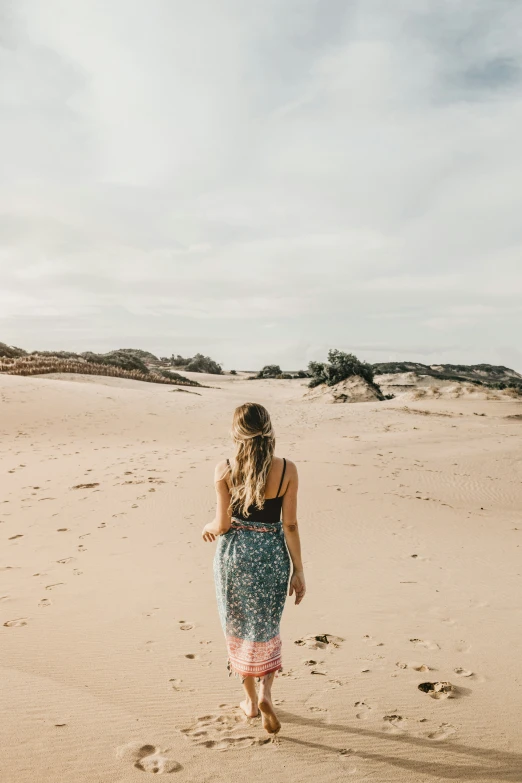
297 586
207 534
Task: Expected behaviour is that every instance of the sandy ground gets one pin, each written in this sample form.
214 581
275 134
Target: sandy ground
112 656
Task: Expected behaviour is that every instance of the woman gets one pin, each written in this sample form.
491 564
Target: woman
252 564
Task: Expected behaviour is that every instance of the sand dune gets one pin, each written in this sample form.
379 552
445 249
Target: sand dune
113 663
354 389
410 386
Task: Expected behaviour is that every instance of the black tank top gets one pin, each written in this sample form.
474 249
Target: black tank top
271 511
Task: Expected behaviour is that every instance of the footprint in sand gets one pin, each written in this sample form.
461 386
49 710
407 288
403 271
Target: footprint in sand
183 626
223 731
371 641
395 723
16 623
445 730
44 602
427 644
415 665
438 690
463 672
147 758
347 753
320 642
56 584
339 682
177 685
66 560
364 710
86 486
18 535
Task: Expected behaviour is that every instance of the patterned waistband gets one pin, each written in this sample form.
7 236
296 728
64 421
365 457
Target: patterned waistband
258 527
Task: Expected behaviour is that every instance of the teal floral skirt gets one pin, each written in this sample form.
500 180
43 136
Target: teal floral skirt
251 572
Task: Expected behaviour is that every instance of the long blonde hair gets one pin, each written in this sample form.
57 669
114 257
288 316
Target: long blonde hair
254 439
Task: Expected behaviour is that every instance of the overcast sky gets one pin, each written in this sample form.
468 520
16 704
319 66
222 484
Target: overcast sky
262 181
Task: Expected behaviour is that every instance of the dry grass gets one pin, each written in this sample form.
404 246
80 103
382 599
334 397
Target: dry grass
43 365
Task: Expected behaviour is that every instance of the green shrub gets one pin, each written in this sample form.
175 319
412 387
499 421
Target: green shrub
57 354
178 361
171 375
200 363
340 366
124 361
269 371
11 351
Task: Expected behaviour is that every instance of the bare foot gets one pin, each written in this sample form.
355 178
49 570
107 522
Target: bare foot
250 709
271 722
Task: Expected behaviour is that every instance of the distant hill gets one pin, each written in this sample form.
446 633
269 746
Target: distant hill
124 363
408 381
495 376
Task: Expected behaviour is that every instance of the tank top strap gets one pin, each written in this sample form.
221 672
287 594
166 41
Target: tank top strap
282 477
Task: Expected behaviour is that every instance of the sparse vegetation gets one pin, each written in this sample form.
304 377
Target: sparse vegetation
197 363
143 365
270 371
491 376
57 354
43 365
174 376
121 359
275 371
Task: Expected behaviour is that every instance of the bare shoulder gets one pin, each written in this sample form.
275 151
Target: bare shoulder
221 470
291 469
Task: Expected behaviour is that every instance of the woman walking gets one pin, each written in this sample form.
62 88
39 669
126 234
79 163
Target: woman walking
252 560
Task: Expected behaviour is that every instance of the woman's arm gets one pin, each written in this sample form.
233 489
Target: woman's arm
222 521
291 531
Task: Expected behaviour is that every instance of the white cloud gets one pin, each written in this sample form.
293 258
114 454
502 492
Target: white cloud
181 176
